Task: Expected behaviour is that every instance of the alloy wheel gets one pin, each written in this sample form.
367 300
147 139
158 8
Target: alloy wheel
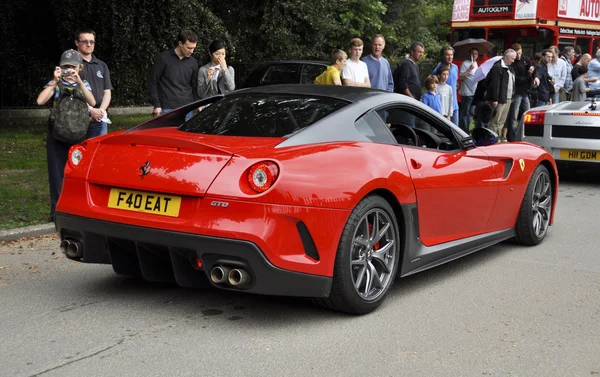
541 205
373 254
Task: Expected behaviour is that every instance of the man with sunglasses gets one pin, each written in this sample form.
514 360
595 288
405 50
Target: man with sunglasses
97 74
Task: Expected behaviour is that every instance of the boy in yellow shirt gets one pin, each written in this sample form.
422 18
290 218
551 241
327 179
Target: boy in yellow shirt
331 76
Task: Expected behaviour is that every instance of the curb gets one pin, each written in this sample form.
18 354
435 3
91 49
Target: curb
28 231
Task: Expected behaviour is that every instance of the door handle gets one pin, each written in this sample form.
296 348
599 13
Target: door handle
415 164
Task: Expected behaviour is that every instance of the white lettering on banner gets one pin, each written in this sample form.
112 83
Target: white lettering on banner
460 10
485 10
585 32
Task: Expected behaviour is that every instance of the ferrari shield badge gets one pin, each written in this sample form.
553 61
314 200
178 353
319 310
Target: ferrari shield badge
144 169
522 164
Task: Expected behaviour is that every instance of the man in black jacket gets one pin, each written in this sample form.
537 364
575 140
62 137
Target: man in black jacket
500 91
407 79
173 79
523 71
542 80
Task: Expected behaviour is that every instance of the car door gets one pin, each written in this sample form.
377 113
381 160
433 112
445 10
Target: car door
455 187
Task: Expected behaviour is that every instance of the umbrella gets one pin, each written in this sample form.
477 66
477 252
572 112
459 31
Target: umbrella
462 48
485 68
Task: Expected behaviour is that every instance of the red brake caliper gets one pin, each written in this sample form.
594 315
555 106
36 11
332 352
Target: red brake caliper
376 246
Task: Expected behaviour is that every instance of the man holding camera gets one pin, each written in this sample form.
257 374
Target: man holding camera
96 72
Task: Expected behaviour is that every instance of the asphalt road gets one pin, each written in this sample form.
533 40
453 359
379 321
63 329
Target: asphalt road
504 311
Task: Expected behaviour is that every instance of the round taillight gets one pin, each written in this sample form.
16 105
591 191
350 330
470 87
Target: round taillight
262 175
76 155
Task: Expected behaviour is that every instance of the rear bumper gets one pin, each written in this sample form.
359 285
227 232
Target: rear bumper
168 256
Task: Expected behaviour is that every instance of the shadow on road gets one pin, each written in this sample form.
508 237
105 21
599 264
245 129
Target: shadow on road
123 294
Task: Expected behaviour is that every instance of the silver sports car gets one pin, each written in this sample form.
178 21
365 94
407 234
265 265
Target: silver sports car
570 131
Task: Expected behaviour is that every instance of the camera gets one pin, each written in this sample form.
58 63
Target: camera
65 72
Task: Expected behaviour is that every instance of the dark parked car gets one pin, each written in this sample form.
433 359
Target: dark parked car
284 72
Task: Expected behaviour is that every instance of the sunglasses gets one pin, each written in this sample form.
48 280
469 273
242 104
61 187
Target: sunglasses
86 42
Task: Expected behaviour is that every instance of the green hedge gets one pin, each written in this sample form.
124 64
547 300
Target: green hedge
130 34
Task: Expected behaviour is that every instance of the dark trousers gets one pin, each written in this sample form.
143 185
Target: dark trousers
56 152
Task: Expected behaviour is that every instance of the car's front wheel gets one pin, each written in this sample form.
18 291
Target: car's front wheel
536 208
367 258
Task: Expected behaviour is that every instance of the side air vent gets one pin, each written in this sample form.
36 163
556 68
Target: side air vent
508 164
309 245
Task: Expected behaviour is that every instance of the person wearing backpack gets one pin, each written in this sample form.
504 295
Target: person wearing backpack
69 119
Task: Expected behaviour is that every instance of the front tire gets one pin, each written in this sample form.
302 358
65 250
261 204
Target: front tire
367 258
536 209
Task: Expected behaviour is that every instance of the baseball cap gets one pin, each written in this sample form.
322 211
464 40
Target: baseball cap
70 57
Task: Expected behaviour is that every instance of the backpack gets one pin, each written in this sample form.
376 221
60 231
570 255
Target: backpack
70 118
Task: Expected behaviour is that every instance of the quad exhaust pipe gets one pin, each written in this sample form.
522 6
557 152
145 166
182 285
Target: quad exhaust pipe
72 249
236 277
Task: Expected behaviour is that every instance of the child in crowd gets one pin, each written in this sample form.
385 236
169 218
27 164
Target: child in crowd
579 89
331 76
445 91
432 98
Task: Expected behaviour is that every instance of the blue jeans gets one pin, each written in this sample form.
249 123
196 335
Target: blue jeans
454 117
540 103
555 98
465 116
97 129
520 100
187 116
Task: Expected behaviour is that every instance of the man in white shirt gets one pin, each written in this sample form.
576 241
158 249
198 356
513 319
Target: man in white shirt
557 69
355 71
467 89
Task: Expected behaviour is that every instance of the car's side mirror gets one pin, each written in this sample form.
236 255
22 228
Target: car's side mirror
483 136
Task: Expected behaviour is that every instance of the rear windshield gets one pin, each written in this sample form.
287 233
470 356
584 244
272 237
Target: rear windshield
264 115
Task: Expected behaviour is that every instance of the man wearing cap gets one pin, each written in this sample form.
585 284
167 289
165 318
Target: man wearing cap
173 79
96 72
57 151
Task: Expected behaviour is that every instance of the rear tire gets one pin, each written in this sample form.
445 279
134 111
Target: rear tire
536 209
367 258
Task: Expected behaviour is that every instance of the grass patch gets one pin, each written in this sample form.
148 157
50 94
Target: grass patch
24 192
24 197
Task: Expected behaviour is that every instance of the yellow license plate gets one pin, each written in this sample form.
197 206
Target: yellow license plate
158 204
574 154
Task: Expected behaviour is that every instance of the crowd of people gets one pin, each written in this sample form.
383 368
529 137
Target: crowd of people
494 100
176 79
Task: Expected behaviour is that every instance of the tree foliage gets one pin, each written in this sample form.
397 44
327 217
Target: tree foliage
131 34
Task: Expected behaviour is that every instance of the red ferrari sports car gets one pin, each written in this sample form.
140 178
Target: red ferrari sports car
301 190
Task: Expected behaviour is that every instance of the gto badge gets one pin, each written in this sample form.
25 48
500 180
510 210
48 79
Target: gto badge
219 204
144 169
522 164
